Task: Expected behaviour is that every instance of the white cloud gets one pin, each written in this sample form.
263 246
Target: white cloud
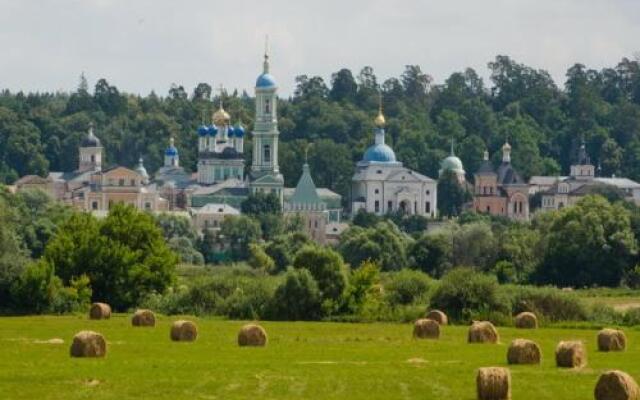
148 44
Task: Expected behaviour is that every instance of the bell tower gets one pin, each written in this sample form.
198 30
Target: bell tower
90 152
265 172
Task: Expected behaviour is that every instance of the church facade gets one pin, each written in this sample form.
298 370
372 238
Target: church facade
563 191
382 185
216 189
501 192
92 188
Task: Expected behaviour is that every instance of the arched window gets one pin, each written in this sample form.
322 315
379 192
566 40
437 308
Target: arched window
266 153
267 106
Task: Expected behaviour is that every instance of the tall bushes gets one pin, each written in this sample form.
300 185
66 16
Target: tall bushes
465 294
124 256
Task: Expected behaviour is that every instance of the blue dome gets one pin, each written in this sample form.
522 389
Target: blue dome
239 130
171 151
212 130
230 131
266 81
202 130
380 153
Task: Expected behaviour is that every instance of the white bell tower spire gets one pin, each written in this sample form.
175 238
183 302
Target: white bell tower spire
265 171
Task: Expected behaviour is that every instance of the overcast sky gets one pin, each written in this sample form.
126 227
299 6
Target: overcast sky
144 45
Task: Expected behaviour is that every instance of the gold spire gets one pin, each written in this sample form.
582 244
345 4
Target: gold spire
380 120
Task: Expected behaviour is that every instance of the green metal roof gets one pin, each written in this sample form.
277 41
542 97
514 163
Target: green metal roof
305 192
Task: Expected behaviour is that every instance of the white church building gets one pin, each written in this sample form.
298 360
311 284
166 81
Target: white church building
383 185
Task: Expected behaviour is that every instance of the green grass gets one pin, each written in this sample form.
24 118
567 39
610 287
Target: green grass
301 361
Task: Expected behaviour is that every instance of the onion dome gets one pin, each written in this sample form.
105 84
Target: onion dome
212 130
221 117
452 163
203 130
230 131
266 80
506 153
140 169
171 151
90 140
380 153
239 130
380 120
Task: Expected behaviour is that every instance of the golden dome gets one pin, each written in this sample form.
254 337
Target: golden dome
380 121
221 117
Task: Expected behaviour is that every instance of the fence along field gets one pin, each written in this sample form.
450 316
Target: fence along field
301 360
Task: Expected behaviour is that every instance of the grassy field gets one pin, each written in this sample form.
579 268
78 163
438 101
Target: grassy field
301 361
619 299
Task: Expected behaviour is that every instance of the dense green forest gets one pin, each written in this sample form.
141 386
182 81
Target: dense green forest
545 123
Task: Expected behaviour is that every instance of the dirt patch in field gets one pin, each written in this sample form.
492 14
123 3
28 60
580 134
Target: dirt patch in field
49 341
626 305
417 360
328 362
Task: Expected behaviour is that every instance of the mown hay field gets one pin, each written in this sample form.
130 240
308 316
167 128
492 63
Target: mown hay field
302 360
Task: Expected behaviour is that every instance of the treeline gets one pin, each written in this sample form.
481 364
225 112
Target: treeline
545 123
56 260
594 243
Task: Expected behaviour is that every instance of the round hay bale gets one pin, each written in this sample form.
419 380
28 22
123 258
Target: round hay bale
611 340
426 329
571 354
524 351
184 331
252 335
438 316
88 344
143 318
526 320
493 383
616 385
100 311
483 332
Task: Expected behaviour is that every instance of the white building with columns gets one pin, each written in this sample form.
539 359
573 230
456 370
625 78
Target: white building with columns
383 185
